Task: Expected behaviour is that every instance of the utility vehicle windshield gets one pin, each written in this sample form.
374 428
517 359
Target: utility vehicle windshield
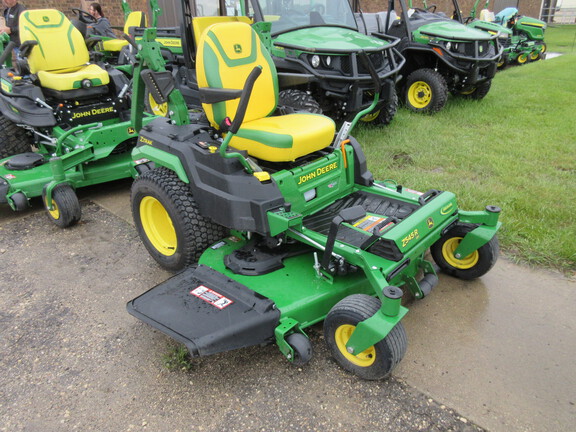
287 15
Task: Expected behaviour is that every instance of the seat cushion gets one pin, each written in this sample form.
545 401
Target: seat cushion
72 79
284 138
114 44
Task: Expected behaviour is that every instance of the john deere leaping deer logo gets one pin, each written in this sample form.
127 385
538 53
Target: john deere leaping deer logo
237 48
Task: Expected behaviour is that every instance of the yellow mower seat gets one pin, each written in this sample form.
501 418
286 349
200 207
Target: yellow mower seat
60 59
135 19
227 53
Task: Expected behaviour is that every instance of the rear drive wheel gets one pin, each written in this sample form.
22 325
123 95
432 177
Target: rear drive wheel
168 220
426 91
13 139
535 55
478 92
377 361
66 210
544 48
299 101
472 266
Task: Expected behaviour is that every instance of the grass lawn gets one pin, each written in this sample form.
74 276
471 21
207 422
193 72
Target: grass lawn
515 149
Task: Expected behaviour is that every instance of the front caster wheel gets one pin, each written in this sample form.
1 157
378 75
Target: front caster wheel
374 363
66 210
168 220
472 266
302 348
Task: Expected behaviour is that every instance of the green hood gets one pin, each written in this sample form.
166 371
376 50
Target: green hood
452 30
319 39
490 27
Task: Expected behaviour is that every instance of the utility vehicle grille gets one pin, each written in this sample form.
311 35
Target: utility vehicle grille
377 59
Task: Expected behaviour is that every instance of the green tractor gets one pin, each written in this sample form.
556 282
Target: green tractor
286 222
442 56
66 123
527 35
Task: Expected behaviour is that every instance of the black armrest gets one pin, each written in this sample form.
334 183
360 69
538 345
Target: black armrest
215 95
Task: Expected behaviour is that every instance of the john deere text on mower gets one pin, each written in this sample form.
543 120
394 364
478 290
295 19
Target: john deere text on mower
75 114
287 223
442 56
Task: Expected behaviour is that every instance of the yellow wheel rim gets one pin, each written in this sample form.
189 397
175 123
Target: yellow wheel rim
419 94
370 117
365 358
157 109
543 50
468 92
55 213
500 62
158 226
523 58
465 263
533 55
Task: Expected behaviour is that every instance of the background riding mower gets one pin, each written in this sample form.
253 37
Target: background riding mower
527 35
75 114
287 222
442 56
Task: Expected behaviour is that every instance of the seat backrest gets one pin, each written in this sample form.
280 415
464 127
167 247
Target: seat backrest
227 53
200 24
135 19
60 44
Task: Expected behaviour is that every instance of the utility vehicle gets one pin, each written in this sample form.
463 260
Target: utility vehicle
286 221
66 123
442 55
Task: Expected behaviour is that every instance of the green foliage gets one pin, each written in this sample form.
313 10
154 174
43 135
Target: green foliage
178 358
516 149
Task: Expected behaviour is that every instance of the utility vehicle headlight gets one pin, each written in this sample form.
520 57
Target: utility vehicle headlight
448 45
327 61
315 61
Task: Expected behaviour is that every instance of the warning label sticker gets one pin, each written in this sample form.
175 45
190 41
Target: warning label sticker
211 296
368 223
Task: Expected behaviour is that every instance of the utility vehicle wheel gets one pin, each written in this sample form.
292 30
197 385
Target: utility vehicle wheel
385 113
299 100
426 91
478 92
168 220
503 62
472 266
522 59
66 210
544 48
13 139
302 348
154 107
376 362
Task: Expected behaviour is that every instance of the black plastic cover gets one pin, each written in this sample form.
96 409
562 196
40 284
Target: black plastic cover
207 311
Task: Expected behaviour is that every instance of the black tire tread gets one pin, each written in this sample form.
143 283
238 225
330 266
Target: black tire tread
68 206
13 139
439 89
198 232
359 307
299 100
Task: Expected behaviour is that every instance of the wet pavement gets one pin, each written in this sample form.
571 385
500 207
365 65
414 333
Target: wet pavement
498 353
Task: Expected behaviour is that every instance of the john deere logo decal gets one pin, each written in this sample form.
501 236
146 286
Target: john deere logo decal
237 48
430 223
45 18
131 131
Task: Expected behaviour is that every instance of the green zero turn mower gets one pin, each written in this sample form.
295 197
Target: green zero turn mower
287 224
66 123
442 55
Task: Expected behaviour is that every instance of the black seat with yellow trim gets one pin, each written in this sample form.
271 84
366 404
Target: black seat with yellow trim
57 55
227 54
